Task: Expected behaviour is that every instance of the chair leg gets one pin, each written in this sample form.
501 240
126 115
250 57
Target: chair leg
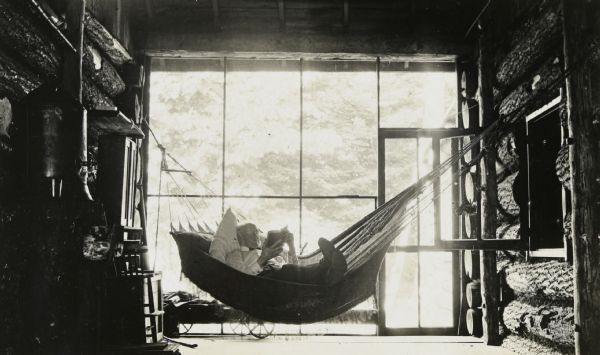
152 310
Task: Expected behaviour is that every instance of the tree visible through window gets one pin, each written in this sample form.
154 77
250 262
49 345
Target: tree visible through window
284 143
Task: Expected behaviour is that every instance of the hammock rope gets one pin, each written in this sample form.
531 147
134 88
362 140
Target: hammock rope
180 192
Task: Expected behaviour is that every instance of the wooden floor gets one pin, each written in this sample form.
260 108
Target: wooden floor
343 345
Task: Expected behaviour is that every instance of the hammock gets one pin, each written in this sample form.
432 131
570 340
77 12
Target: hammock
364 246
274 300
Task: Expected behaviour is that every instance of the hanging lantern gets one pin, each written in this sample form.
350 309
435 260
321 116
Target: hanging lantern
56 147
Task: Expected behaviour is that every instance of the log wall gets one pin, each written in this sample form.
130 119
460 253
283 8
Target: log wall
537 314
537 307
551 280
545 321
30 42
527 346
49 296
530 46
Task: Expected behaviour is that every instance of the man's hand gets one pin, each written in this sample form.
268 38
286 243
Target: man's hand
269 252
292 255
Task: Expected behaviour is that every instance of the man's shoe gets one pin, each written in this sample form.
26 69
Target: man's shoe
334 262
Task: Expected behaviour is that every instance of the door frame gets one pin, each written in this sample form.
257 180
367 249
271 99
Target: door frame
436 134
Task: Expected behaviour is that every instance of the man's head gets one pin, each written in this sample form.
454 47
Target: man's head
249 236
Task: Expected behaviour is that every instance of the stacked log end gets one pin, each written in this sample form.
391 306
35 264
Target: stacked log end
474 314
98 34
550 279
545 321
563 170
30 57
567 227
528 71
508 230
530 46
509 226
539 308
23 35
540 87
524 346
507 153
100 71
93 96
507 205
537 312
474 319
16 81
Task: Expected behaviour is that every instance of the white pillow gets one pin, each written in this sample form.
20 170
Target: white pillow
226 237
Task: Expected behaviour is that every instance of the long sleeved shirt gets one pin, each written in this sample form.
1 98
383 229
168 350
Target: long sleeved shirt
226 248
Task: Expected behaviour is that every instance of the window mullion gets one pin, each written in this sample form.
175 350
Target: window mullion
301 153
224 134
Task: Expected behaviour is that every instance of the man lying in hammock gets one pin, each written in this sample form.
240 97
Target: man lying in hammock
245 249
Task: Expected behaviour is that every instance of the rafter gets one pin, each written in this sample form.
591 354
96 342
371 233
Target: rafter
160 43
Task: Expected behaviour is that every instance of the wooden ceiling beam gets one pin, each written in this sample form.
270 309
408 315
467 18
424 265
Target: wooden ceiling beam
72 65
190 44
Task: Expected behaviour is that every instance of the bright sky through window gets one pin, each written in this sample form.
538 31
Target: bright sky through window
291 146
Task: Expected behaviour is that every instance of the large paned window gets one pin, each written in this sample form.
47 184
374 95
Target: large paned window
296 143
339 130
186 110
282 142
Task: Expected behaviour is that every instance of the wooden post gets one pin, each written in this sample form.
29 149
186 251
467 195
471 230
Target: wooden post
437 202
145 151
72 68
585 179
55 244
489 277
72 79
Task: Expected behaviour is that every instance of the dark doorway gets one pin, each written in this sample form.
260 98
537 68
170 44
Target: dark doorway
545 190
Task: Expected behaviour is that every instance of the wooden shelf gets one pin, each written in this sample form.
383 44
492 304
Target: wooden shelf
482 244
154 314
109 120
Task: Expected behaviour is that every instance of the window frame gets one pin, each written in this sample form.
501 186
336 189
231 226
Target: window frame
382 134
436 135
